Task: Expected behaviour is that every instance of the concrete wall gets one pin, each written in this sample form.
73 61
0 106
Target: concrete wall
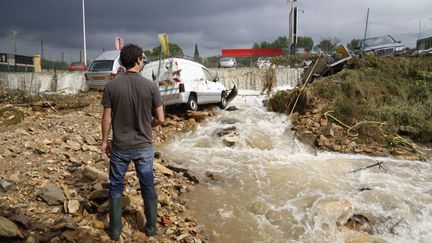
72 82
252 78
34 83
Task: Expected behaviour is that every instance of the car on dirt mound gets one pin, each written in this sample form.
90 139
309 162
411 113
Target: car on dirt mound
381 46
186 82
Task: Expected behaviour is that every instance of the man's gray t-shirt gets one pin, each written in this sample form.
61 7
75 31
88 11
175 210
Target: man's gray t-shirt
132 99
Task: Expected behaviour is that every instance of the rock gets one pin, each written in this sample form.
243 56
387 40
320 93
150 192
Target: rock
164 200
65 223
220 132
157 155
97 224
5 185
71 236
358 222
49 236
214 176
99 196
336 147
94 174
90 140
230 139
140 236
323 122
21 220
73 206
162 169
73 145
352 145
52 194
339 211
232 108
322 141
8 229
7 153
230 121
198 115
259 207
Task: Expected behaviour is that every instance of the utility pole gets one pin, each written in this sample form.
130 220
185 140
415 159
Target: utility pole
367 22
14 40
80 57
41 49
62 56
84 34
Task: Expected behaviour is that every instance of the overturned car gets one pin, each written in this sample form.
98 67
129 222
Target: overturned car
186 82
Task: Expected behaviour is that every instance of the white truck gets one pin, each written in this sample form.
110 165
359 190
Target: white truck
186 82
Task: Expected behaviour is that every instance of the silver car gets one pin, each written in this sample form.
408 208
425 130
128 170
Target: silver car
381 46
227 62
104 68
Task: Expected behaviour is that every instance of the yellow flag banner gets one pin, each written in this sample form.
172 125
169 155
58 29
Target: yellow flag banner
163 39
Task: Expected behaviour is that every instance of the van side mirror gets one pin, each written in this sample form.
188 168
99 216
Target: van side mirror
216 77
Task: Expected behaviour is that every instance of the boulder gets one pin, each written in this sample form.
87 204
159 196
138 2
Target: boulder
5 185
220 132
73 206
52 194
232 108
230 139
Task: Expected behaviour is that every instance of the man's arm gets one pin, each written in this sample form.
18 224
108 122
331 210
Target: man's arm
106 125
160 117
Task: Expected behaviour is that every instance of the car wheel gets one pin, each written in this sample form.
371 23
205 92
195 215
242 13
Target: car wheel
223 102
192 103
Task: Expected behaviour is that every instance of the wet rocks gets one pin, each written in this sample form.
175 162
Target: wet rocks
220 132
230 139
73 206
162 169
52 194
232 108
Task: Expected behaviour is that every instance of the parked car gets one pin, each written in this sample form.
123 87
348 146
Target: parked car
77 66
264 62
187 82
382 46
227 62
104 68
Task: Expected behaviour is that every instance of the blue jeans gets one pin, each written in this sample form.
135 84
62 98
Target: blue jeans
119 163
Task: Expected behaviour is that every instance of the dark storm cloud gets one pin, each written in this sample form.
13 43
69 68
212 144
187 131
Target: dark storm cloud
212 24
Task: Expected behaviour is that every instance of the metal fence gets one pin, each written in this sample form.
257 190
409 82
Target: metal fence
16 63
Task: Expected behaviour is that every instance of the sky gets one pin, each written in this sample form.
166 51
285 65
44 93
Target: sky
212 24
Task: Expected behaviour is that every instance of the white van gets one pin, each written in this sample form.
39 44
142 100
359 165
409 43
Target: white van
104 68
186 82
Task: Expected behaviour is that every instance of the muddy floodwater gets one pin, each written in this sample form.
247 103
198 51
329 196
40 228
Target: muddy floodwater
275 189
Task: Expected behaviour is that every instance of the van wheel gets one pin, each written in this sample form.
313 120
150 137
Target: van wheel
223 103
192 103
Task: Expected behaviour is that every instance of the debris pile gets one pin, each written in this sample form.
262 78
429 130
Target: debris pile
53 181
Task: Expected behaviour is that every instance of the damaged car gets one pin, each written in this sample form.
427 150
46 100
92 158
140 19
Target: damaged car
381 46
187 82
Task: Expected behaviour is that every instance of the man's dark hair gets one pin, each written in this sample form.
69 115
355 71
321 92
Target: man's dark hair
129 55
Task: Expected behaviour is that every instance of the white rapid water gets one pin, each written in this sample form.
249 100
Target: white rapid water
277 190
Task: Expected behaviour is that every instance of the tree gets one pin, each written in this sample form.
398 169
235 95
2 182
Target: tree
305 42
353 44
174 49
196 54
326 45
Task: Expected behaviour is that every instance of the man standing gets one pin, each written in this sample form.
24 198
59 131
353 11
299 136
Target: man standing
128 102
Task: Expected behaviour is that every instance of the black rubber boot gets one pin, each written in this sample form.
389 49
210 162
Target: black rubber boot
115 214
150 211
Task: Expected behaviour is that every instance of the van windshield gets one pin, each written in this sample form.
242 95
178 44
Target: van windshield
102 65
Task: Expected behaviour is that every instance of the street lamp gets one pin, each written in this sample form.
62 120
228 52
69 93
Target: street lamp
14 40
84 33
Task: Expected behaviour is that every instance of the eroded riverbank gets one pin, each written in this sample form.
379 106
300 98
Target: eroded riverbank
275 189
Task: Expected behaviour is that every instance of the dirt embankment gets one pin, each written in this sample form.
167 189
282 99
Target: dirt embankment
53 180
378 106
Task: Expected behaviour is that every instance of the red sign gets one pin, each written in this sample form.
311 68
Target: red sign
119 42
268 52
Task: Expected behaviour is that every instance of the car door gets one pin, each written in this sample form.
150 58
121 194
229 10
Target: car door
213 90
